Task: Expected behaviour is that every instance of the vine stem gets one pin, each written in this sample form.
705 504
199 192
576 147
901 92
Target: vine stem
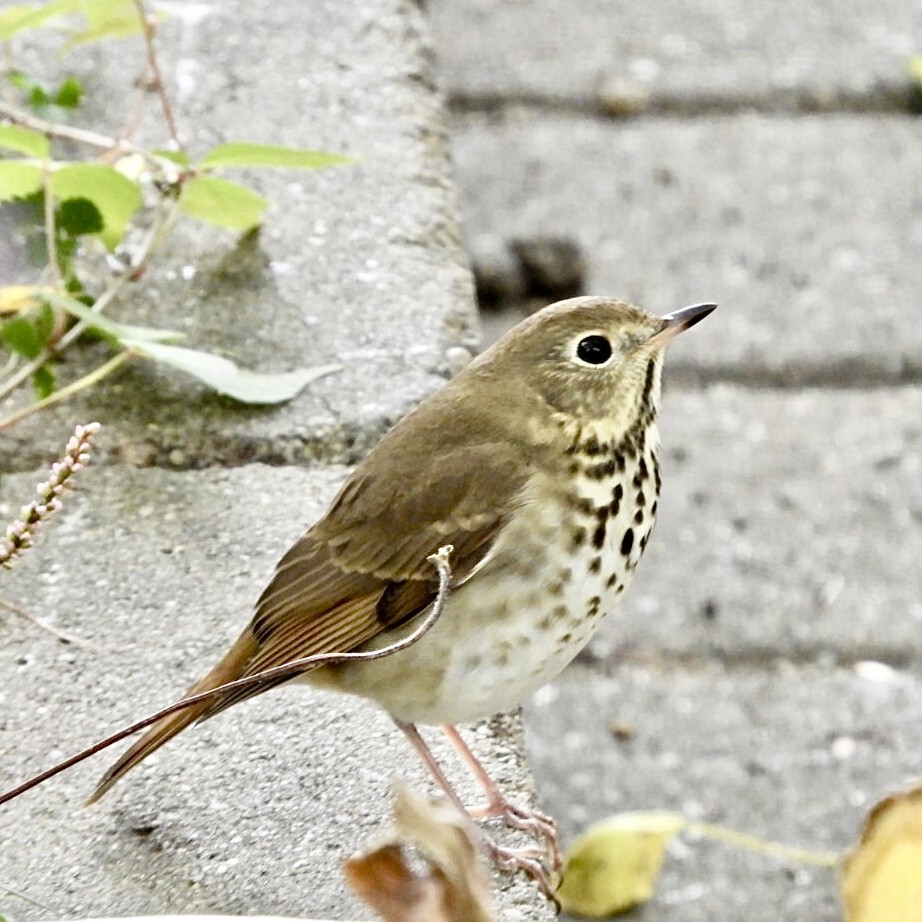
440 560
755 844
65 132
88 380
153 65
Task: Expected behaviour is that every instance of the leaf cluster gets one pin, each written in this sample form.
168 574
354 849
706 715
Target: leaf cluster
79 205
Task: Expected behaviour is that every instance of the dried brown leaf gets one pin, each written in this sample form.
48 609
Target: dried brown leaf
454 887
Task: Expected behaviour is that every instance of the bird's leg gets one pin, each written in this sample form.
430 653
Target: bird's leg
498 805
509 859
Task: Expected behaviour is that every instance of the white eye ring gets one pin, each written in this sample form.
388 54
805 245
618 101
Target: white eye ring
593 350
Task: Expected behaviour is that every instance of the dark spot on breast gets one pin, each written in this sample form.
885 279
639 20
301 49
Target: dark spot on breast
618 492
582 504
642 469
614 507
602 470
594 604
653 508
621 463
598 536
566 638
638 517
579 536
610 582
595 565
559 611
641 499
627 542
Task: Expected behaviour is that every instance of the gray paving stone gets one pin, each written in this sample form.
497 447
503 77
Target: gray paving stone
793 226
252 812
358 264
678 54
795 755
790 525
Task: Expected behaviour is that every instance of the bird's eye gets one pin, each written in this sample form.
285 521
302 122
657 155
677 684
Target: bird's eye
594 350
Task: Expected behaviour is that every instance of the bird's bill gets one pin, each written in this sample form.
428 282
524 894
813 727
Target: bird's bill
680 320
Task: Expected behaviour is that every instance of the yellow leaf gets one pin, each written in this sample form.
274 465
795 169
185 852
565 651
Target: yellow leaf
882 876
614 865
17 298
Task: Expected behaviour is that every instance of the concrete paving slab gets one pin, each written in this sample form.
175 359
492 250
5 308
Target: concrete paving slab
792 754
677 55
793 226
359 264
252 812
790 525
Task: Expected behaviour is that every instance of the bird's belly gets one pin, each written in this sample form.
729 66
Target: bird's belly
514 625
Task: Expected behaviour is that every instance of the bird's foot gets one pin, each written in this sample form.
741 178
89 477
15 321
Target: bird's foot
528 860
531 821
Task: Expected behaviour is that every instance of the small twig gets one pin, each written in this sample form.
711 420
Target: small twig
88 380
20 535
292 668
65 132
153 65
51 242
46 625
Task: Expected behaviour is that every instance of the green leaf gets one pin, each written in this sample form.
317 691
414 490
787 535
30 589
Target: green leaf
116 26
43 381
18 179
27 16
38 97
44 321
21 336
78 216
226 377
245 154
614 865
69 94
120 333
116 197
223 203
24 141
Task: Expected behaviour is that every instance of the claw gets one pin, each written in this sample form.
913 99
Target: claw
523 859
531 821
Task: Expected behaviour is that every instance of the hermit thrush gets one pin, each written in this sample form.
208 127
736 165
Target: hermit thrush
538 464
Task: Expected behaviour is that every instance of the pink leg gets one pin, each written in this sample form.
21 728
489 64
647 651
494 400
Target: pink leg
507 858
497 804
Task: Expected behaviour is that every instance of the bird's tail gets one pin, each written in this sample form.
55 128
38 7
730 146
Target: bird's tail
231 667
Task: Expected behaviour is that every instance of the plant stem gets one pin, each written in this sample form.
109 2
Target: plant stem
147 29
157 229
68 133
755 844
88 380
51 243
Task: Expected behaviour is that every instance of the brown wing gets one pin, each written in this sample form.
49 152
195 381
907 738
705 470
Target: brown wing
364 568
360 570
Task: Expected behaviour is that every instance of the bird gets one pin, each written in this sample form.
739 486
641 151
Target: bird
538 463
